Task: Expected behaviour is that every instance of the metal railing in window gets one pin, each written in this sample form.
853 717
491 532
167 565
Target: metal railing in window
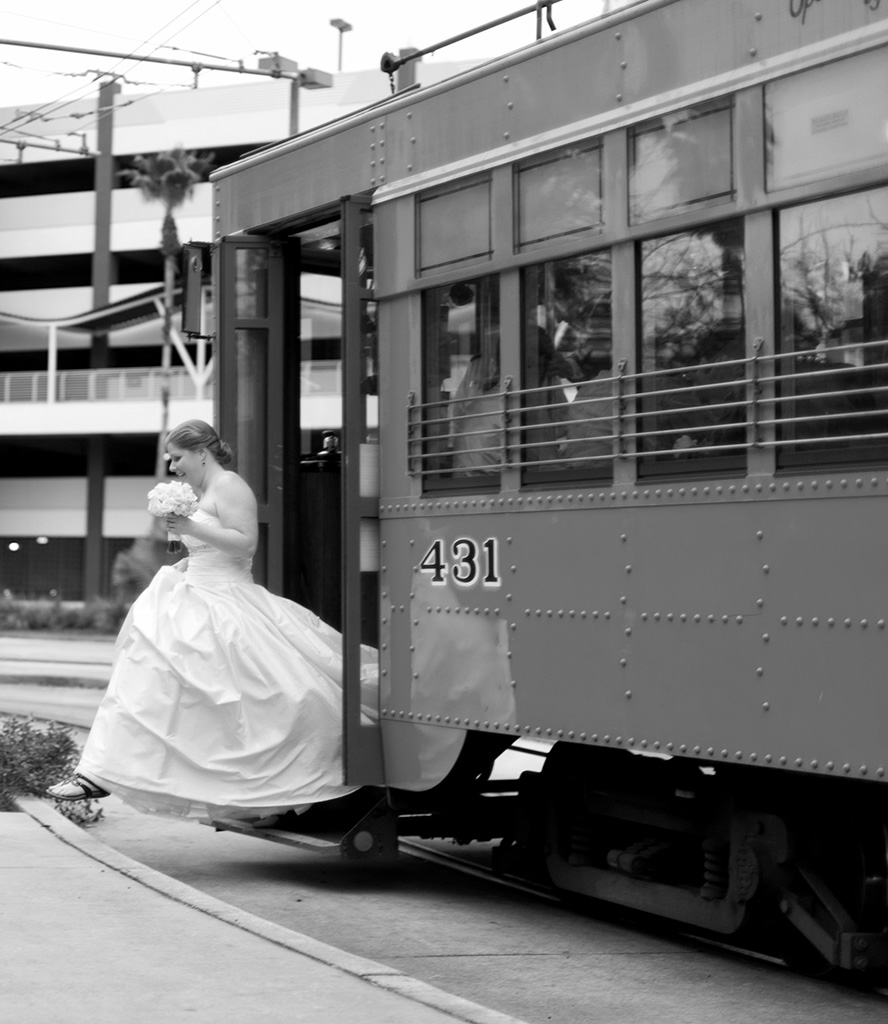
686 416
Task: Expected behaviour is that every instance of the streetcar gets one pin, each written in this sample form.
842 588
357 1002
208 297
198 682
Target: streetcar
563 384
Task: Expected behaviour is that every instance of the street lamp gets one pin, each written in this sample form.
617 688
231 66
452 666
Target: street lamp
343 27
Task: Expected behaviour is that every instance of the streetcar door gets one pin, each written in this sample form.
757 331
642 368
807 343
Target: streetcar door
362 750
297 393
250 407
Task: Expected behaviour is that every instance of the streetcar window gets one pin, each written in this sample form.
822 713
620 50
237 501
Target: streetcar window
833 360
558 195
251 277
829 120
680 160
568 411
692 349
462 416
453 226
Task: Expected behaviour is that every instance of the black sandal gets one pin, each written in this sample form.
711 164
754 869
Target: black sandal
77 787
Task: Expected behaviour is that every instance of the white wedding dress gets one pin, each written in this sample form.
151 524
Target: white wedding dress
225 700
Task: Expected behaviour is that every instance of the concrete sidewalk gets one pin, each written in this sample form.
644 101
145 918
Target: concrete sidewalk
87 934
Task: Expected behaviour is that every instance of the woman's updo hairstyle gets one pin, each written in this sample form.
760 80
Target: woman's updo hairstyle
195 434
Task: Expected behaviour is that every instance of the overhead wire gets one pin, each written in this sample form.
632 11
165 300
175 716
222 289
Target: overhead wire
56 105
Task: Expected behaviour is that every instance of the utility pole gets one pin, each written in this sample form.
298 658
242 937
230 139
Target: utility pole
343 27
103 276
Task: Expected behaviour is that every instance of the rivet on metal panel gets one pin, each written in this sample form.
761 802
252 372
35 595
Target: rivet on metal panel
846 768
724 753
880 772
815 764
752 51
881 623
760 671
863 769
768 758
815 621
510 105
684 617
656 616
830 622
864 623
623 599
583 736
739 755
669 616
644 616
830 765
623 665
766 637
847 623
758 15
623 64
782 760
753 757
766 706
607 615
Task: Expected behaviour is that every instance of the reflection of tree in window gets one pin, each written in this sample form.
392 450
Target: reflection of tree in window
834 306
680 159
693 324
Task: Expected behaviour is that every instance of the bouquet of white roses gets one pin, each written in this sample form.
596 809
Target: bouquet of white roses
173 498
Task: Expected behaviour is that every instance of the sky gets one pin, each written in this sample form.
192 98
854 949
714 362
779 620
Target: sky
219 31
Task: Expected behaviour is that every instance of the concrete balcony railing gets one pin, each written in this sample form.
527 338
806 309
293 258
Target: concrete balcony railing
136 384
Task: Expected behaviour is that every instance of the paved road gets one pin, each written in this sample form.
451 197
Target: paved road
507 950
86 660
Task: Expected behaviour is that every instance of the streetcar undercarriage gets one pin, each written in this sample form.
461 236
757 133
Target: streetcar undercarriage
794 866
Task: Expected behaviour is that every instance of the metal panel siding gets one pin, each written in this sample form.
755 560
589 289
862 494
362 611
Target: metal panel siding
600 69
292 182
649 626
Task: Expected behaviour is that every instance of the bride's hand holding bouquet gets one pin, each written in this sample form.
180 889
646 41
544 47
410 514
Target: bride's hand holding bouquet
174 498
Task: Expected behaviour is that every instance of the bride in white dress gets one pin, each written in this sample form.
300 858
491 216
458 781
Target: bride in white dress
224 699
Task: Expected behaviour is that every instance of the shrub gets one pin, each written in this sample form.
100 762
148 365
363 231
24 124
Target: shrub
34 756
98 616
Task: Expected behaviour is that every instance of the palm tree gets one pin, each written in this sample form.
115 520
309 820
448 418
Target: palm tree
168 178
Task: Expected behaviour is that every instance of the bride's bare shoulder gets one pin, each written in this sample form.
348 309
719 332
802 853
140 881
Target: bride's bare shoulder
231 487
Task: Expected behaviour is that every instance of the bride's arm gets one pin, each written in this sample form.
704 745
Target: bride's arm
237 531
